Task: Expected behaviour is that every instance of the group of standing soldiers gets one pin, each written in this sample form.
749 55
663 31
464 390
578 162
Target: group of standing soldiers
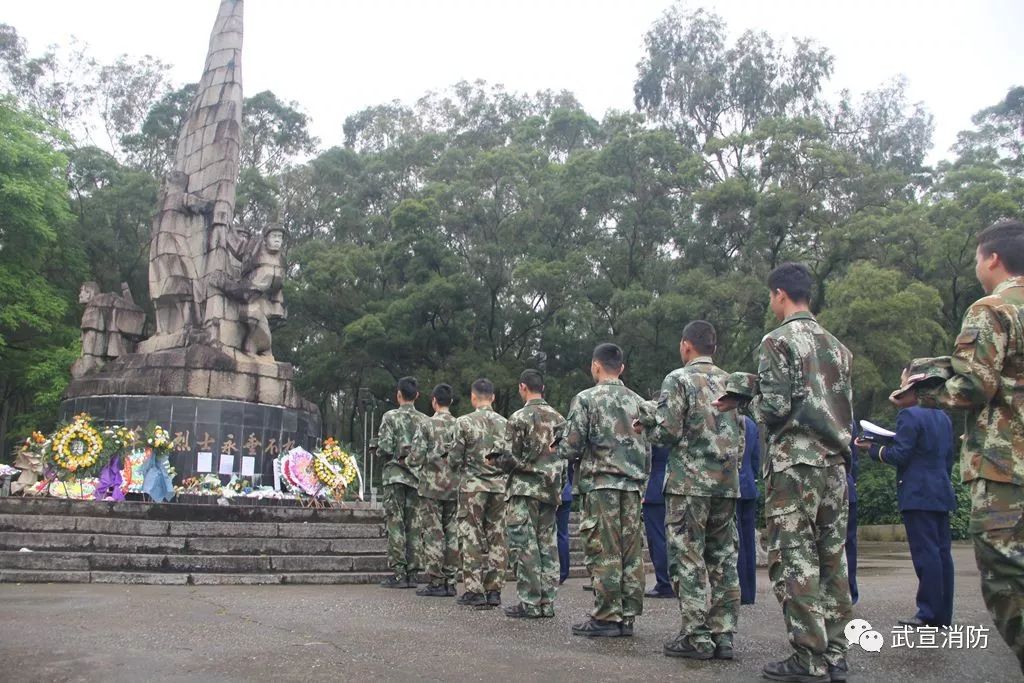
507 476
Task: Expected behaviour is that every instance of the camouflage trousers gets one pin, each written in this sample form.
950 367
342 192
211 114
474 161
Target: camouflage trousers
703 551
611 529
401 505
806 509
482 536
997 528
440 540
533 552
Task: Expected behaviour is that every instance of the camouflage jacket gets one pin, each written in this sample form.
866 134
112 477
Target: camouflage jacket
707 445
805 398
988 366
536 470
477 435
429 456
599 433
398 428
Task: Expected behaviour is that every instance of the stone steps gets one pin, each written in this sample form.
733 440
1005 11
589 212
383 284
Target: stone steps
196 579
102 561
197 543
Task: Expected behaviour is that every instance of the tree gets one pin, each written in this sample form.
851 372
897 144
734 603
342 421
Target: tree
40 263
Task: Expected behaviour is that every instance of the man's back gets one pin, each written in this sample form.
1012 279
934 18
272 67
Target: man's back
599 431
537 470
477 435
436 436
706 443
805 395
397 433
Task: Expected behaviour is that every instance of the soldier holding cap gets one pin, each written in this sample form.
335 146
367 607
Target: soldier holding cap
804 400
987 370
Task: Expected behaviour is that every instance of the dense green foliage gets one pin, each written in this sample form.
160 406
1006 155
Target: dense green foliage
478 231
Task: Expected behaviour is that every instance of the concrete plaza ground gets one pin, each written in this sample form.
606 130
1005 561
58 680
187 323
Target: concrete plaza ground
275 633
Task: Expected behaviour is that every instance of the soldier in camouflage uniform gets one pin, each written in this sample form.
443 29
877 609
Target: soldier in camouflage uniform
438 491
614 463
701 487
532 497
481 499
398 428
988 371
804 401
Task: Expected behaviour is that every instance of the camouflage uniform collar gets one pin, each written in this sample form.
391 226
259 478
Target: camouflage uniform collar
536 402
408 406
700 359
616 382
485 408
443 411
799 315
1014 281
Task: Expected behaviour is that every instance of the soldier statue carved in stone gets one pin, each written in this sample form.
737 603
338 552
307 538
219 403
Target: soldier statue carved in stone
111 324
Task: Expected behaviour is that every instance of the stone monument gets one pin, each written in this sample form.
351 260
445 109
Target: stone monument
207 372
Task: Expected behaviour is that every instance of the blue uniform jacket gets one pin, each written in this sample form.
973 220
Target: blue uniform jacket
655 485
922 452
750 469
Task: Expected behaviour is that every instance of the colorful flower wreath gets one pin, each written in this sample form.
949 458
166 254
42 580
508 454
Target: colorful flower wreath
77 446
335 468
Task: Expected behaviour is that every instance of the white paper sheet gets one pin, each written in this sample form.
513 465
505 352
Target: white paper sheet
204 462
227 464
248 466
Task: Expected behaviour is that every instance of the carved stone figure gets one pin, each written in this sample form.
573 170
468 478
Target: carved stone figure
263 278
111 324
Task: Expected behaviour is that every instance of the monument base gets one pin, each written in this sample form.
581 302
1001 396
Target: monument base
231 432
199 371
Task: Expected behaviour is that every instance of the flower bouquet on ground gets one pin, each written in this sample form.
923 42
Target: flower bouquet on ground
31 460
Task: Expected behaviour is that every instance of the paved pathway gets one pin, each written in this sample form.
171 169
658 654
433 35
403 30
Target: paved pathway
237 633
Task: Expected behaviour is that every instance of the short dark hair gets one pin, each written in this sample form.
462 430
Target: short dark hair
794 279
1006 238
609 356
408 387
702 335
483 387
533 380
443 394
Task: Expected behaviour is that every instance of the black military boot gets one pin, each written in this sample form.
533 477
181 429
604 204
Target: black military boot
472 599
681 646
494 598
626 627
410 580
723 646
792 670
519 611
451 590
393 582
597 628
839 670
432 591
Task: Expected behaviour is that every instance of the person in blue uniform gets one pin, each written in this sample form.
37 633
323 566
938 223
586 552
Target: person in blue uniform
851 528
562 524
922 453
746 512
654 524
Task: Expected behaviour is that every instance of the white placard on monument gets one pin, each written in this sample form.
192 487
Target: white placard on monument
248 466
204 462
227 464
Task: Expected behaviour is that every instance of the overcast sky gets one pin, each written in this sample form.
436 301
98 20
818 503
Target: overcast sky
335 57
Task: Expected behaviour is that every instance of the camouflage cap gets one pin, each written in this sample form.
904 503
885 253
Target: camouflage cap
741 385
925 372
